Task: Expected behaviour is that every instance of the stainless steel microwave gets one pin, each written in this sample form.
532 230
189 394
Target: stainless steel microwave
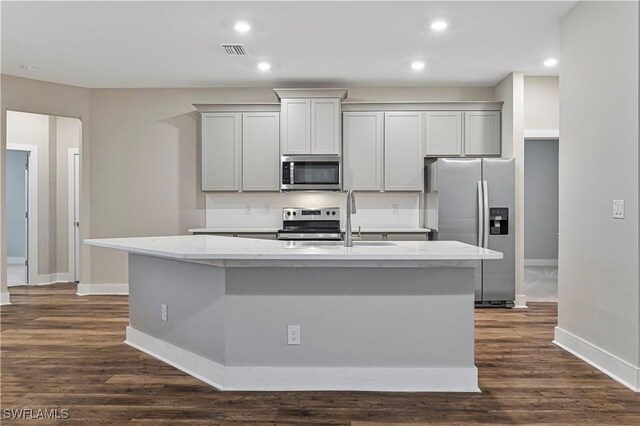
310 173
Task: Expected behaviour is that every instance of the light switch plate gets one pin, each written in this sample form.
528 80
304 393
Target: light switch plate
618 209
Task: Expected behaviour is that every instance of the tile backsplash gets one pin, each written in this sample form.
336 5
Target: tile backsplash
264 210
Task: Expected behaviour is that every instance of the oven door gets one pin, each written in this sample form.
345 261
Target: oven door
311 172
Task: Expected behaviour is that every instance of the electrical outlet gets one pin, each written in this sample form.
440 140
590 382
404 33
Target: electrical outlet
293 335
618 209
165 312
395 208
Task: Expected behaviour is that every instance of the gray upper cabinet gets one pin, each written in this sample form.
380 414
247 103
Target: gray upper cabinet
363 150
403 144
310 126
443 133
221 151
482 133
295 125
260 151
325 126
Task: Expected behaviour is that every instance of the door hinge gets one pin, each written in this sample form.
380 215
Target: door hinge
26 215
26 263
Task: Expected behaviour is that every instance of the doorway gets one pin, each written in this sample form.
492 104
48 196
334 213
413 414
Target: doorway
541 220
21 213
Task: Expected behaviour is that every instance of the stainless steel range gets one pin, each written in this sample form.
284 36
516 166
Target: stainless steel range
310 224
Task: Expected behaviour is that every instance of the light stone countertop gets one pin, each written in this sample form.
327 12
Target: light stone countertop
274 230
220 248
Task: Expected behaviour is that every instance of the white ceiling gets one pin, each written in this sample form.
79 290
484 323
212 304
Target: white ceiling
176 44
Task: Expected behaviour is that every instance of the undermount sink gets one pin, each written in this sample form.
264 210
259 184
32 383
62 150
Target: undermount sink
336 244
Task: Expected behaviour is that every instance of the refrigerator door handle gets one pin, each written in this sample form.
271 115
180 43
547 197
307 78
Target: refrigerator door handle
485 232
480 215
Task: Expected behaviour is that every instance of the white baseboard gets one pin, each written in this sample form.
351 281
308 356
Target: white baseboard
541 262
4 298
614 367
306 378
15 260
59 277
520 302
103 289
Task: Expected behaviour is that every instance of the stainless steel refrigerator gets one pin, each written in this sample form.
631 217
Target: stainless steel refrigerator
472 200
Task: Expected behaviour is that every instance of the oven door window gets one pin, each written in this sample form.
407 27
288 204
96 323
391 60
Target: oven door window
316 173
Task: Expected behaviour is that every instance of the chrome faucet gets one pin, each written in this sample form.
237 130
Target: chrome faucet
351 209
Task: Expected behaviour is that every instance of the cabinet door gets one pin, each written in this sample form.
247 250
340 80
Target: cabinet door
443 133
295 126
363 150
403 161
482 133
325 126
221 151
260 151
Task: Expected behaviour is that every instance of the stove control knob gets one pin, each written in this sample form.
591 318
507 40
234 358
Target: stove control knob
294 213
328 213
288 213
333 212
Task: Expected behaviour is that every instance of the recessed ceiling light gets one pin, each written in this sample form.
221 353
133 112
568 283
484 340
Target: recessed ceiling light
417 65
28 67
242 27
264 66
551 62
439 25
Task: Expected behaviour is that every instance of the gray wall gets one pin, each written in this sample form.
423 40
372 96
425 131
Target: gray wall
16 183
598 288
540 199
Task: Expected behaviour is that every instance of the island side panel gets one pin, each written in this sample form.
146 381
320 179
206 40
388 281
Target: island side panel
194 294
351 317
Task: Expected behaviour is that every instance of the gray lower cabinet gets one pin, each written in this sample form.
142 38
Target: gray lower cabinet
363 151
260 151
482 133
403 156
240 151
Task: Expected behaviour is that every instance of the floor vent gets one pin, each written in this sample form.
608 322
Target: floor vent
235 49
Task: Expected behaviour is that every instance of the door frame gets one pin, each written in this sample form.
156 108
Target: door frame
32 221
71 228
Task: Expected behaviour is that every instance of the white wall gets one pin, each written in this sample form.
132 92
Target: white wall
541 103
374 210
16 200
511 92
541 200
598 289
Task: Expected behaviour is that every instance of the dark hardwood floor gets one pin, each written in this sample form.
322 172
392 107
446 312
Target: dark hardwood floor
59 350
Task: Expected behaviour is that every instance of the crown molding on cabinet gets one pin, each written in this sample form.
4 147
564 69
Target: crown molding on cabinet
422 106
311 93
239 107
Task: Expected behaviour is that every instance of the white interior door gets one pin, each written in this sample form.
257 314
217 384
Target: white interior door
76 216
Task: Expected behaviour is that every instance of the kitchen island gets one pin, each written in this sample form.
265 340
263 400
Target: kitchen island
379 316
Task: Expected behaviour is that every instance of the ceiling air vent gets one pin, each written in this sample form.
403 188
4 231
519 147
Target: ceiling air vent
235 49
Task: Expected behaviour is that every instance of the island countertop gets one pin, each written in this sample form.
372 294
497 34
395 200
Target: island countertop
208 247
